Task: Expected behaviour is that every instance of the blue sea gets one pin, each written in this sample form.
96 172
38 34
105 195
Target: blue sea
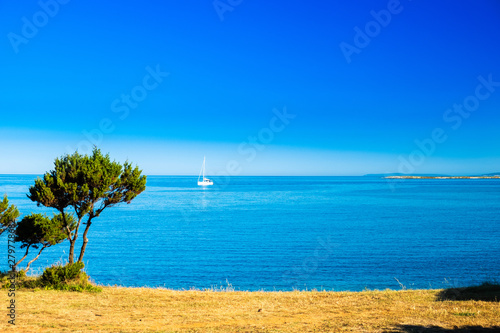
286 233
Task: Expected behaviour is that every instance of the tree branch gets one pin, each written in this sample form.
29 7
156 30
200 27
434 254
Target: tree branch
28 267
25 255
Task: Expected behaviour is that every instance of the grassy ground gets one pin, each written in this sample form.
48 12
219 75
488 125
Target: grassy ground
158 310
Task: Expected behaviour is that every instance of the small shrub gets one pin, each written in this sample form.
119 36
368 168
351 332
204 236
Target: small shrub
21 280
56 275
68 277
21 274
29 283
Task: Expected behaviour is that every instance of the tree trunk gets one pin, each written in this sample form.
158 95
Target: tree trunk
72 241
28 267
85 241
25 255
71 250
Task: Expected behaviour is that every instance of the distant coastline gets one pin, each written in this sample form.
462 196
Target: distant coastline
443 177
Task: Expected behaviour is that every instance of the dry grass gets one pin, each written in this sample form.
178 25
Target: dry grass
159 310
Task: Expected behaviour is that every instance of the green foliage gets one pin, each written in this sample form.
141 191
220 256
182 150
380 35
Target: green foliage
56 275
465 314
8 215
38 230
22 280
88 184
60 225
80 287
68 277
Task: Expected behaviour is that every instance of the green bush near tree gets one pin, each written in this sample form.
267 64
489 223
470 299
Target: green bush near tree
68 277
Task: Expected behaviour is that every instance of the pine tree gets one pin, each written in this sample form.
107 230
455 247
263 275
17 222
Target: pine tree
87 185
39 231
8 215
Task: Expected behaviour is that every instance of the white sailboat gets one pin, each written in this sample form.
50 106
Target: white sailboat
204 181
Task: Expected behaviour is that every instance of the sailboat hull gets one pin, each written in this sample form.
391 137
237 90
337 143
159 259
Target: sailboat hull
206 182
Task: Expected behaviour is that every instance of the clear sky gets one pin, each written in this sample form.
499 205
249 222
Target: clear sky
260 87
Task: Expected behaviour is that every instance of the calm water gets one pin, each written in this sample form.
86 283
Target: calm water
284 233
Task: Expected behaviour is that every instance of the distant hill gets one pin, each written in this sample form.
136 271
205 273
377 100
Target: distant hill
404 174
426 175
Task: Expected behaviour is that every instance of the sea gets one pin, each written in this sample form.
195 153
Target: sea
287 233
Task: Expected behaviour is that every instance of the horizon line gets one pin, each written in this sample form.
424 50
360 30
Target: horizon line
363 175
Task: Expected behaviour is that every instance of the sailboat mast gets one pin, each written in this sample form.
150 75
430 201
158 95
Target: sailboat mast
203 168
204 181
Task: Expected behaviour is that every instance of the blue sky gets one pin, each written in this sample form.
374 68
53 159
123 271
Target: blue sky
259 87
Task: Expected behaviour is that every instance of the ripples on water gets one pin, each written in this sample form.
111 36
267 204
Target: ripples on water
284 233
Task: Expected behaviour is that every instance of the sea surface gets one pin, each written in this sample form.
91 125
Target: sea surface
286 233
